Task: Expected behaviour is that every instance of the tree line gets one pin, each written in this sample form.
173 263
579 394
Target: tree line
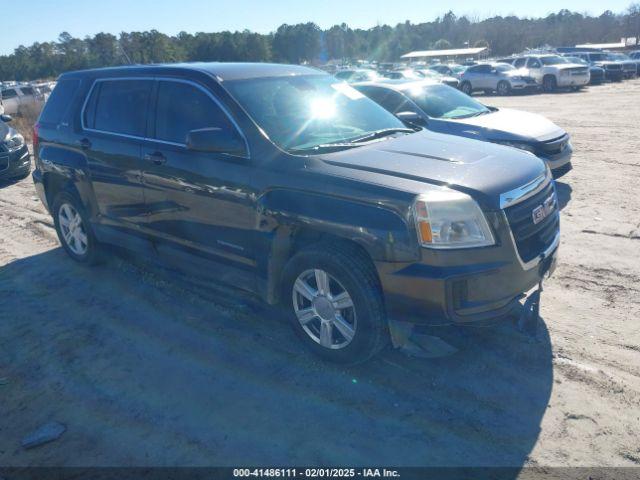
306 42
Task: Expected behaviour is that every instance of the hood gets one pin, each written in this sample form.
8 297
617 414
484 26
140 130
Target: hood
483 170
507 124
564 66
520 72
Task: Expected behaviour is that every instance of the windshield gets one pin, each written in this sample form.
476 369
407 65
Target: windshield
442 101
619 56
552 60
304 112
576 60
597 57
458 68
505 67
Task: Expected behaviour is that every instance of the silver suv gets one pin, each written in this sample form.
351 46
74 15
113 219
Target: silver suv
553 71
495 77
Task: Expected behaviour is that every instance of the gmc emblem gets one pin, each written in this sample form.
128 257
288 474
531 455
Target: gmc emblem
543 211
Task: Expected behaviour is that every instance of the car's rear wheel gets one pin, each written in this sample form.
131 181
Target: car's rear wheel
504 88
465 87
74 230
549 83
335 302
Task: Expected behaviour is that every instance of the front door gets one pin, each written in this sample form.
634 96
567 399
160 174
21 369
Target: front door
113 129
198 200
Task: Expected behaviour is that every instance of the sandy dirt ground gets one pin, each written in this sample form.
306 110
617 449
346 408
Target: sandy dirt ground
147 369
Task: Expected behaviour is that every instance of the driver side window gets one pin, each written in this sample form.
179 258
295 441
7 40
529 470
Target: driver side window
183 107
520 62
534 63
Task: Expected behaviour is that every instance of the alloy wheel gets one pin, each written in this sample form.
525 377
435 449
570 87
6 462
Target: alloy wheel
324 309
72 228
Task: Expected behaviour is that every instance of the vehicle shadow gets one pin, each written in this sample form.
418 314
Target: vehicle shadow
564 192
148 369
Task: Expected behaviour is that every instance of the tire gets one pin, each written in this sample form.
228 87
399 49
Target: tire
549 84
504 88
78 241
349 271
465 87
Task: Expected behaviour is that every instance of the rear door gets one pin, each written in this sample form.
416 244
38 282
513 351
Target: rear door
198 200
114 122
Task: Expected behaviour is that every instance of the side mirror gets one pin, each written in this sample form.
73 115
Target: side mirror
216 140
411 118
6 118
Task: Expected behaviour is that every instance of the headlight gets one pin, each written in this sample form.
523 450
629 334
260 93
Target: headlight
14 142
564 73
450 219
519 145
516 77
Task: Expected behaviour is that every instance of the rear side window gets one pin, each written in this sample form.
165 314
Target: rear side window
520 62
119 106
59 101
183 107
27 90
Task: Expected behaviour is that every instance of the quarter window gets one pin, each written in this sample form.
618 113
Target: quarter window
183 107
59 101
119 106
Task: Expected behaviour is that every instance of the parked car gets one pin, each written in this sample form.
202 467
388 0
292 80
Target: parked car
495 77
553 71
16 98
15 161
451 70
404 74
443 109
629 65
612 69
596 73
280 180
437 77
359 75
635 55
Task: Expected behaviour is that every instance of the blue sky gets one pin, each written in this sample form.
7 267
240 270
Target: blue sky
44 20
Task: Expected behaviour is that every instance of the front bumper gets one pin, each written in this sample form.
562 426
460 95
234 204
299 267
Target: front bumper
15 164
558 160
466 285
573 80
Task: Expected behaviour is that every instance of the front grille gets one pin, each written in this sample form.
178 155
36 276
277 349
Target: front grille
552 147
613 67
578 70
529 80
533 239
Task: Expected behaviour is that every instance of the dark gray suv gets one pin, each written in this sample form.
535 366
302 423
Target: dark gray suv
285 182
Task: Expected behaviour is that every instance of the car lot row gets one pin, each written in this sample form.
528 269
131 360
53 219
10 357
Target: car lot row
532 72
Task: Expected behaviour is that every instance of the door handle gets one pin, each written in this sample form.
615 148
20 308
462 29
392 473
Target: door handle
84 144
156 157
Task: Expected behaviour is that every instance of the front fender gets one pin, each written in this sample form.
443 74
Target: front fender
383 232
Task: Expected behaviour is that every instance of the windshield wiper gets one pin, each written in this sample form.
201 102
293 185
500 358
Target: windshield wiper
324 147
476 114
385 132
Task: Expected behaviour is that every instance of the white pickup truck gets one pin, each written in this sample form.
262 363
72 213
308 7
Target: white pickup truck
553 71
15 98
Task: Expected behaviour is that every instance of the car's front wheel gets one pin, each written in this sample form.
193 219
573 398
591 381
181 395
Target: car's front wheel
466 87
335 302
73 229
504 88
549 83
